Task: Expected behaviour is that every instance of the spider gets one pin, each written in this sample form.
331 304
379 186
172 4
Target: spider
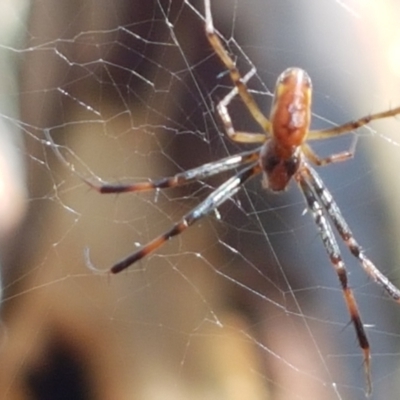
283 155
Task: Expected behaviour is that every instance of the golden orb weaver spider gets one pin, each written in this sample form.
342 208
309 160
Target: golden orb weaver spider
283 154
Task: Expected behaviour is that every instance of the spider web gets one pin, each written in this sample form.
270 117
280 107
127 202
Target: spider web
245 303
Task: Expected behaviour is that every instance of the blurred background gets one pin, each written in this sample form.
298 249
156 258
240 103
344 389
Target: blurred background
245 303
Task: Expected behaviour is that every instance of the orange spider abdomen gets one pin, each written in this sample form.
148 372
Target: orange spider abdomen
291 109
290 121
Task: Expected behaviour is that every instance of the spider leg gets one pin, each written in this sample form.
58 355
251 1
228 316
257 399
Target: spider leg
237 136
333 158
352 125
215 199
346 234
234 73
183 178
332 248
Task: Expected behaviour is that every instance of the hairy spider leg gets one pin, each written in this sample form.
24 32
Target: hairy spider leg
352 125
238 136
234 73
313 198
182 178
347 236
215 199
